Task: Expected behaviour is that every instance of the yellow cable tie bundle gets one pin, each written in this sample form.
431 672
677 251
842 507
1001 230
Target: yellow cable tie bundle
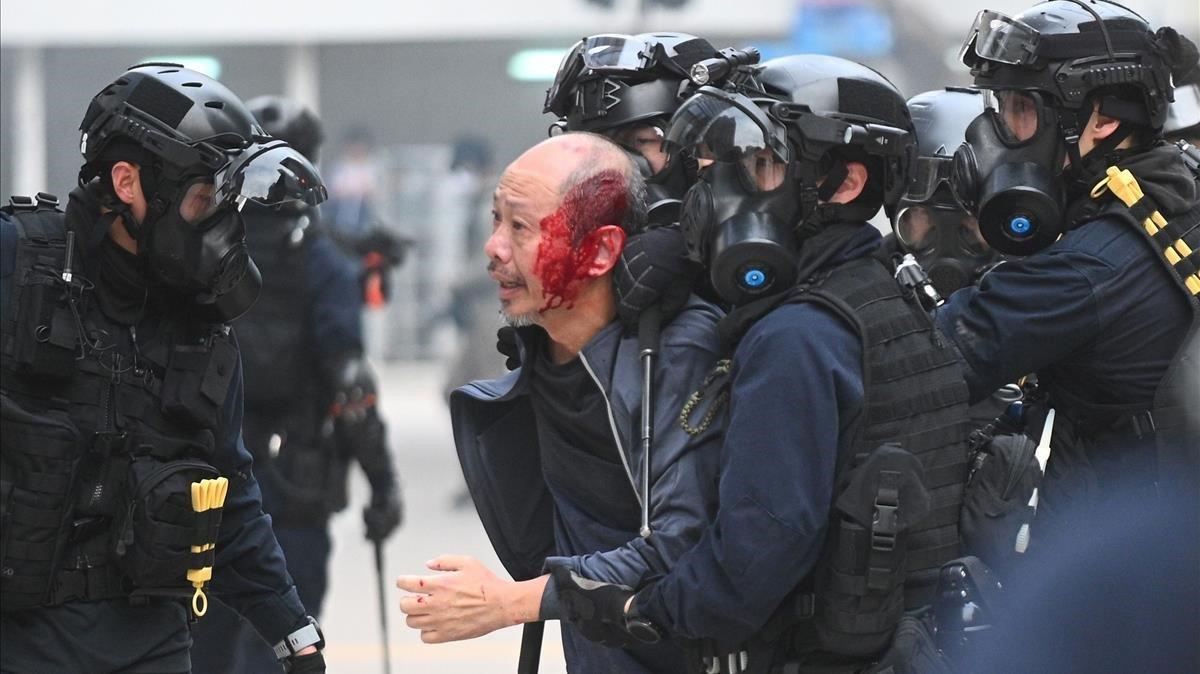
206 495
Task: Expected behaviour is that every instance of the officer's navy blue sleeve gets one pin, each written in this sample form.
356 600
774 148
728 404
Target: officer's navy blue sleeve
796 383
336 317
1025 315
250 573
683 472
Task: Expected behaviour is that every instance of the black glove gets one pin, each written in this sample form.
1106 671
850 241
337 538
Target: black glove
313 663
654 269
506 344
598 610
385 513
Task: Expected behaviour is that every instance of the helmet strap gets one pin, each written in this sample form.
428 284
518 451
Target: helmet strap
834 179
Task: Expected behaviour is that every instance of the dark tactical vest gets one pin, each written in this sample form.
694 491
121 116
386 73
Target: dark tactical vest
296 455
104 431
900 478
1176 245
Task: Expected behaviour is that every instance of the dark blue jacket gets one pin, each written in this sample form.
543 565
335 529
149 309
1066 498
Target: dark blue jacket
1098 317
335 321
1095 313
532 529
250 574
795 389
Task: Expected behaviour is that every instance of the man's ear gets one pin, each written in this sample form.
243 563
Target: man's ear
853 185
1102 125
610 241
126 181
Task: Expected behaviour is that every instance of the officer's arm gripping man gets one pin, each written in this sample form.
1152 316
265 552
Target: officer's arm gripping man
796 387
683 471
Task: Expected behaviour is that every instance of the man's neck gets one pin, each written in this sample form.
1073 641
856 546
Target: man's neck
119 234
570 329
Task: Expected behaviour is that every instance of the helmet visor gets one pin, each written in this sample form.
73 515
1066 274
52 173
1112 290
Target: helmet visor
564 79
269 174
999 38
721 127
929 173
610 53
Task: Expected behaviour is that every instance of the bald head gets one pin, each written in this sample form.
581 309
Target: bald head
573 157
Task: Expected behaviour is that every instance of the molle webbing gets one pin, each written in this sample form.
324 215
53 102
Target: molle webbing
915 396
1178 243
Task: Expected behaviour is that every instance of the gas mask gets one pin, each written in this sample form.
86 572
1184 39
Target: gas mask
758 196
947 243
1008 172
738 219
194 238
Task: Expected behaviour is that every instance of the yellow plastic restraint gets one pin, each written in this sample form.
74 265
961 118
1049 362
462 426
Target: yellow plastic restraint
206 495
1126 188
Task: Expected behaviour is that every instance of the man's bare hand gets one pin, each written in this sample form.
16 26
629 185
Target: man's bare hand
466 602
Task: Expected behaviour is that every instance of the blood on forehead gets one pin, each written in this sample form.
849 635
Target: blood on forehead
570 241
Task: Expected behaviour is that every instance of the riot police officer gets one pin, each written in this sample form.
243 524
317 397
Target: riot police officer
1106 294
125 484
311 399
839 391
928 222
626 87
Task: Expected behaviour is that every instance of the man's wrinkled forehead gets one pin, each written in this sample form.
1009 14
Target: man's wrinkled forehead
535 179
522 191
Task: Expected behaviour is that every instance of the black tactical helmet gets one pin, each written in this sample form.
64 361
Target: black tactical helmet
1070 50
184 122
940 118
291 121
776 146
611 80
881 133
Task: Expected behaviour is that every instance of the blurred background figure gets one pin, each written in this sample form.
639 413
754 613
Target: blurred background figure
310 398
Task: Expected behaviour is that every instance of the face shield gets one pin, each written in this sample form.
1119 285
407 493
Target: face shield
269 174
600 54
718 127
1001 39
929 173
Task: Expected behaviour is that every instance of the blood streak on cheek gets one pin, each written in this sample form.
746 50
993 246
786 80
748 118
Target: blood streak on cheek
569 237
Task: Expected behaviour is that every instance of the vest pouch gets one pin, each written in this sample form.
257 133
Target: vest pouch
155 534
197 381
1004 474
45 339
913 651
860 578
41 450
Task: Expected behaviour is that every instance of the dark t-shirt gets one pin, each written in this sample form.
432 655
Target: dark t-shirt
580 458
